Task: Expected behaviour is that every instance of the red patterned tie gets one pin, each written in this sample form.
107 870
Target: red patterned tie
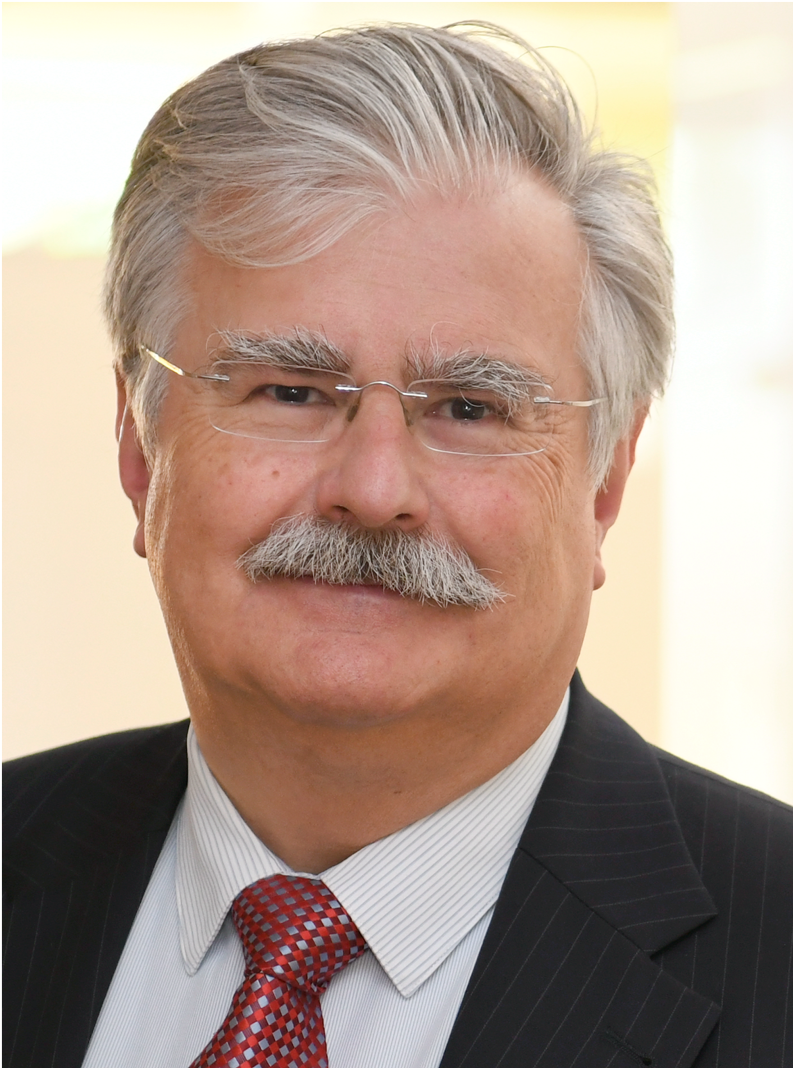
295 936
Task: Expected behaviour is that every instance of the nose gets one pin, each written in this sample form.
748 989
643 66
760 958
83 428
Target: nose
374 474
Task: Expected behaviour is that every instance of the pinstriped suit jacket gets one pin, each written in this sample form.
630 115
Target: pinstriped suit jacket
646 919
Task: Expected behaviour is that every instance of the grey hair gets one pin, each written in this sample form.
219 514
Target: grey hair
271 156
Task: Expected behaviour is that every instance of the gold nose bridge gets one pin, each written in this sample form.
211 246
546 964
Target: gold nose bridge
358 392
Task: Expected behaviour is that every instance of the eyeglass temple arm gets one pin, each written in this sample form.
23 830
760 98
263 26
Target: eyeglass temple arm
180 370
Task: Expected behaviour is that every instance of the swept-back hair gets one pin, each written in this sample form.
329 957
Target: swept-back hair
271 156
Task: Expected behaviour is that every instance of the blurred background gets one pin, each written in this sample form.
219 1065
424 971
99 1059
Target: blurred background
691 639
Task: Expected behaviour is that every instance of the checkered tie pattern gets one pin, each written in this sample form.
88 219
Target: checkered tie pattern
295 936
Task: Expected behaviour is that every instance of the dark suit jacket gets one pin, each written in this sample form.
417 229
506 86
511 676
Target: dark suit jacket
646 919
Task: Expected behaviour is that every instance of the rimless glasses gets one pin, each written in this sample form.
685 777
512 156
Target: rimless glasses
482 408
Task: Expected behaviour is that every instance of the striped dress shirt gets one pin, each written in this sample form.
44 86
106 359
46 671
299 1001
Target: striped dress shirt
422 897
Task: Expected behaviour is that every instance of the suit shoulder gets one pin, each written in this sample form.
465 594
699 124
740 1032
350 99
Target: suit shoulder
749 832
41 782
680 773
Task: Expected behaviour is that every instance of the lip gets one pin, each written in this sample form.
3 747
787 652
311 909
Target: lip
365 589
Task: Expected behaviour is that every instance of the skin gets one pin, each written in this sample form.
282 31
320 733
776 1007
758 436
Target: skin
333 716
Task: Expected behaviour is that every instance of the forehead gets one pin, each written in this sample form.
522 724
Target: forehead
500 274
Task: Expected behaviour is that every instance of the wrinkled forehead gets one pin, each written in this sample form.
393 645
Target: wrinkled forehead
499 277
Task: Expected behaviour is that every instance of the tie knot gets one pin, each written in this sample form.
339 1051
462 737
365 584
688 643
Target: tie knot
294 929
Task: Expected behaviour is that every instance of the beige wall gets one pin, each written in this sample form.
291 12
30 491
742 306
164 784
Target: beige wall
85 649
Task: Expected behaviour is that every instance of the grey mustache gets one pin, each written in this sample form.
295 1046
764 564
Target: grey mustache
420 565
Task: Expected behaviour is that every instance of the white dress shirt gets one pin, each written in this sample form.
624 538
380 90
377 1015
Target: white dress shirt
422 898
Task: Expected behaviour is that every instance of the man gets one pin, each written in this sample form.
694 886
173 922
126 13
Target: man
387 329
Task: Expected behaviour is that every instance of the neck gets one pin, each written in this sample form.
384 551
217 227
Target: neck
315 793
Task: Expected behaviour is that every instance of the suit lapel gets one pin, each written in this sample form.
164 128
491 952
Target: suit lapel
76 876
601 879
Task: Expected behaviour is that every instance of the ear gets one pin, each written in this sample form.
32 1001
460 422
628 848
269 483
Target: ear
132 466
609 497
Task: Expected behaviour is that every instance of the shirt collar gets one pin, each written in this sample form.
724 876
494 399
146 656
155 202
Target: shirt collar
413 895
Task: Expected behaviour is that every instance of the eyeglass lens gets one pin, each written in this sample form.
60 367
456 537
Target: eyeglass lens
303 405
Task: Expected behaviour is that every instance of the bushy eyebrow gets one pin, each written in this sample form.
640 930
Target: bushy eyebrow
298 348
465 369
475 370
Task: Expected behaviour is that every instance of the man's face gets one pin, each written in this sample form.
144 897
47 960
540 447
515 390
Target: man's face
499 276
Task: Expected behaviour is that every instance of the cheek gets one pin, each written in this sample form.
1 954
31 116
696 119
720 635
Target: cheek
209 500
532 524
521 497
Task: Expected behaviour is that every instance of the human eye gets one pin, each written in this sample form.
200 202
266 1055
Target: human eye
259 400
459 405
293 393
265 384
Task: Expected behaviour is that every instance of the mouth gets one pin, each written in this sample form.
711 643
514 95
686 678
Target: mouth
371 586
